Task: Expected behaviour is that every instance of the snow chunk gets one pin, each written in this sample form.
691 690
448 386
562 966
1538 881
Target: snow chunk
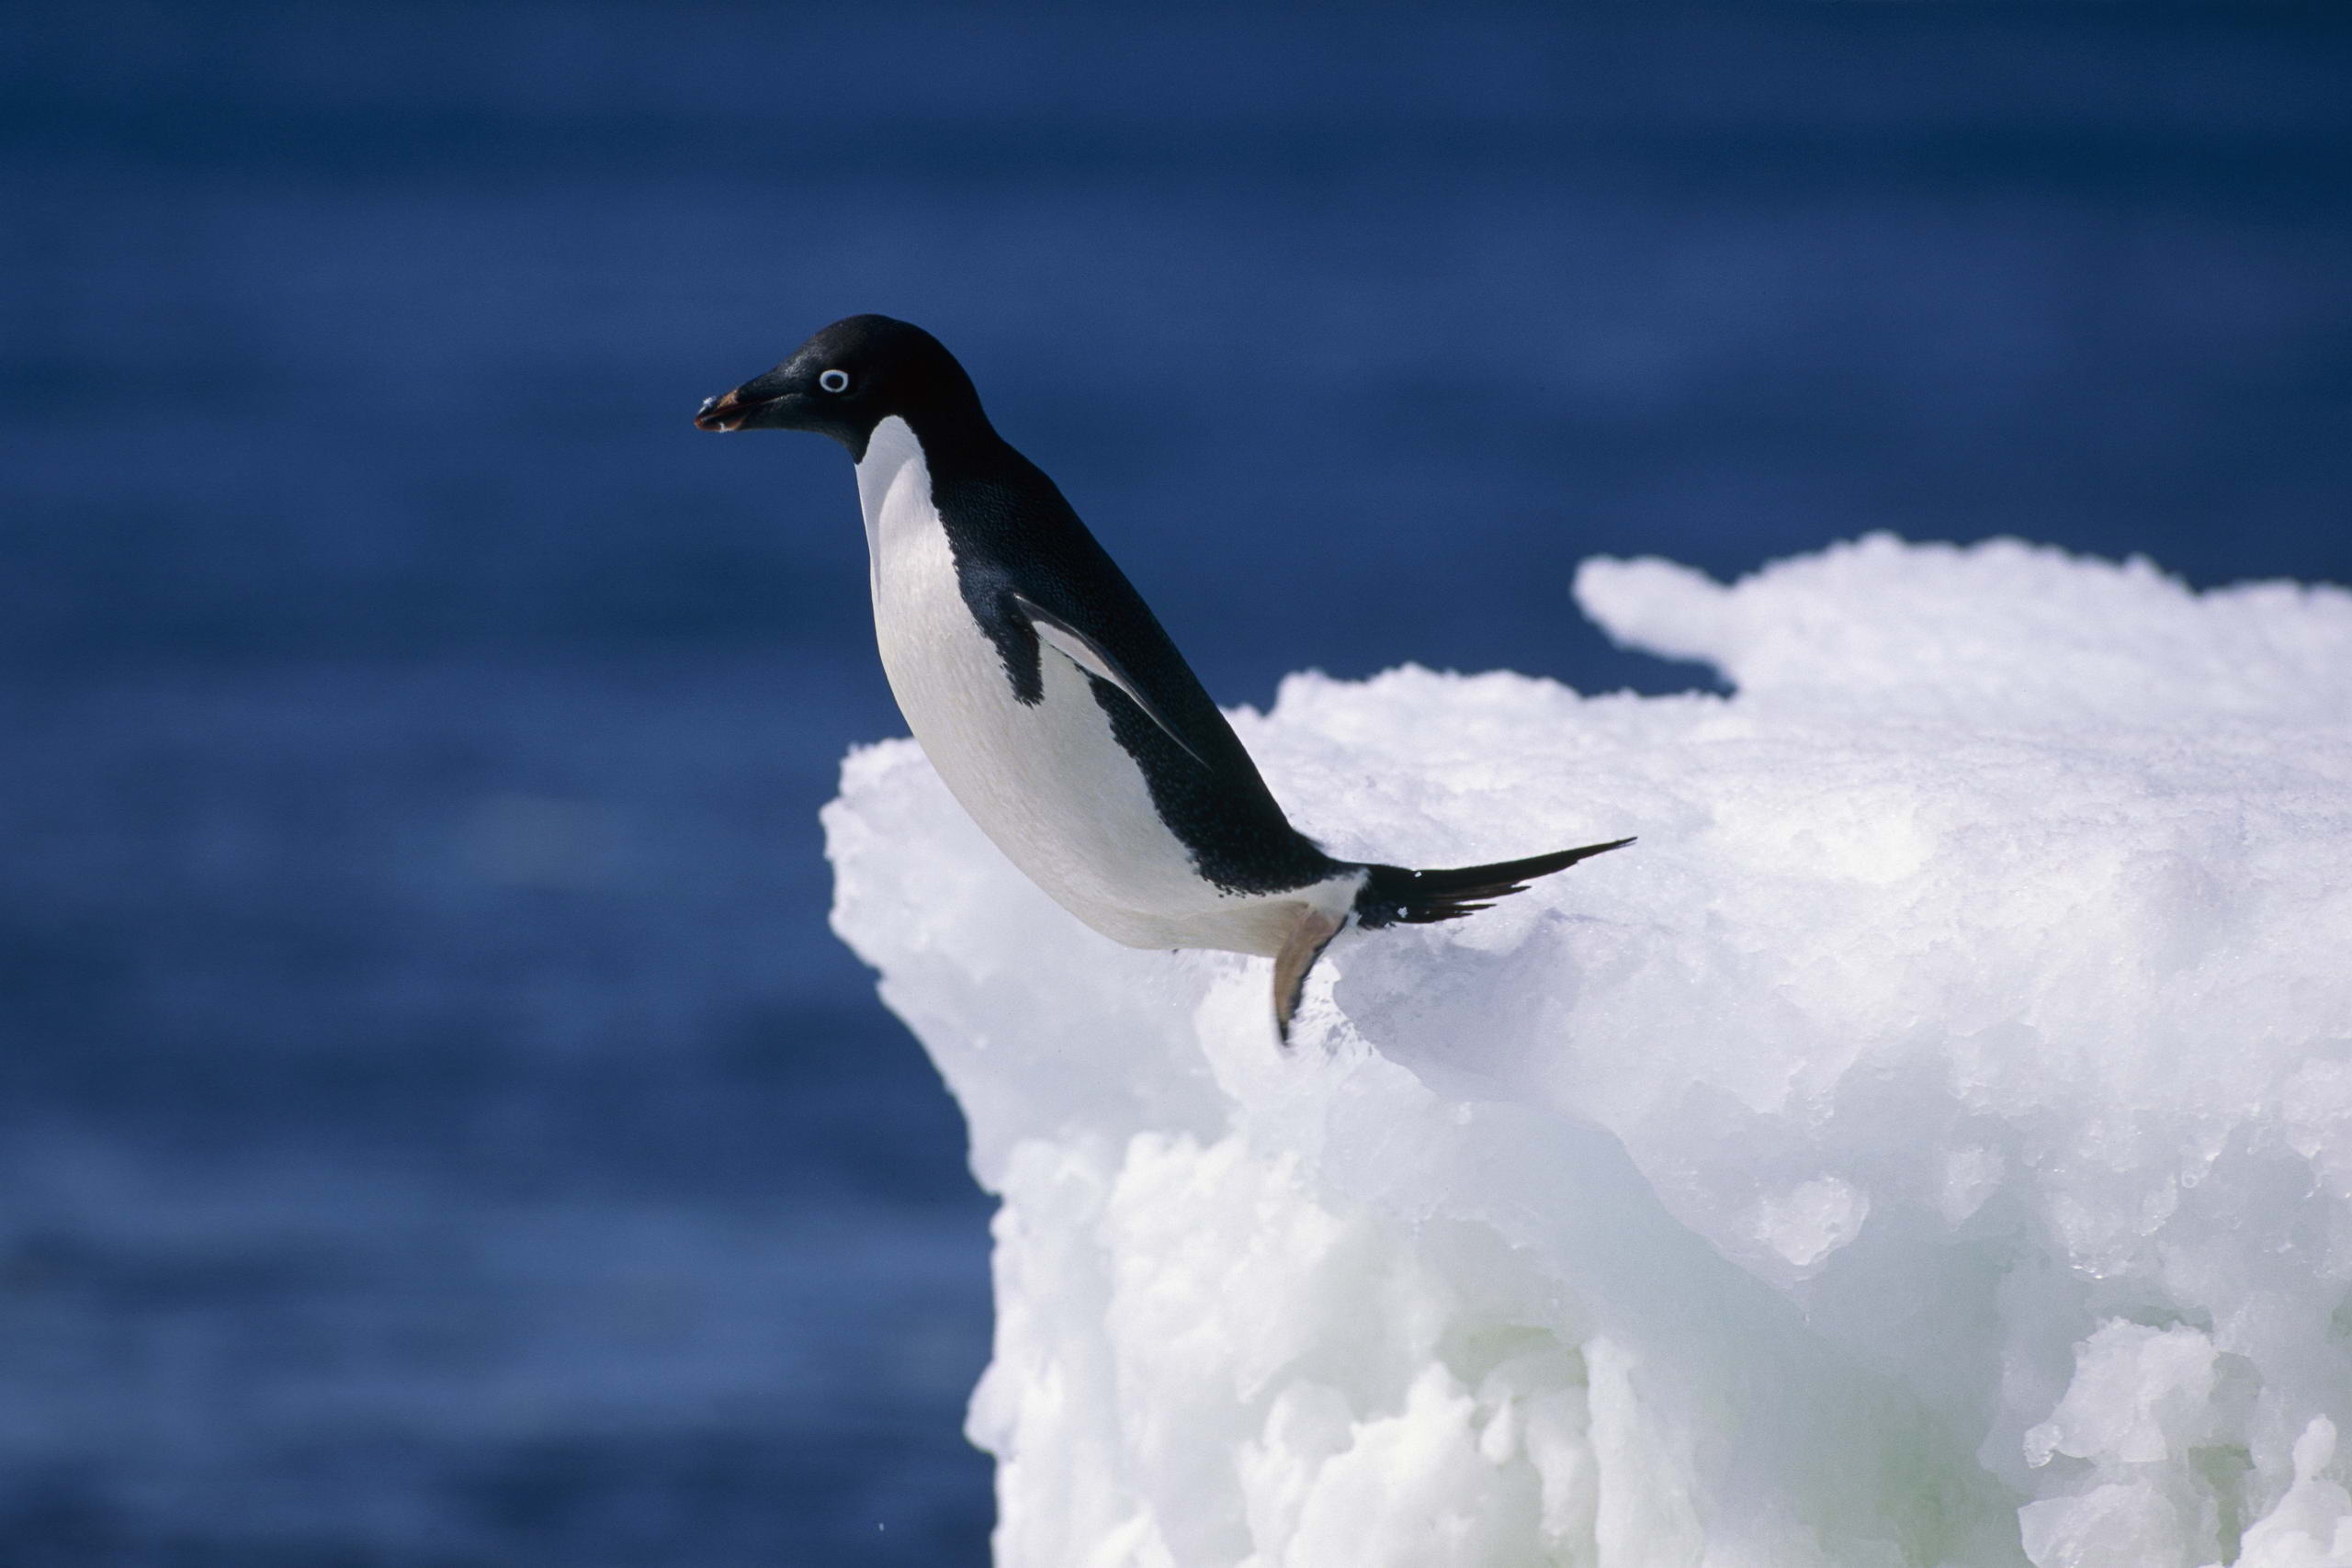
1931 1144
2006 633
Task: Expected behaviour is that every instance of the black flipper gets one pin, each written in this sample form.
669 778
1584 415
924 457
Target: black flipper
1096 661
1394 896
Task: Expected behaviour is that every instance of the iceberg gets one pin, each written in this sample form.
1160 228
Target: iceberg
1930 1144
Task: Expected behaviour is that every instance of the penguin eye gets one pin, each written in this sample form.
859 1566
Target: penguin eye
834 381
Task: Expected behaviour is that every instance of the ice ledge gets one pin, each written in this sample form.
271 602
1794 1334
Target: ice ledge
2004 633
1932 1144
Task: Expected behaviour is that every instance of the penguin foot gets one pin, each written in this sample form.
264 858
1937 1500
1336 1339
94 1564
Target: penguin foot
1305 944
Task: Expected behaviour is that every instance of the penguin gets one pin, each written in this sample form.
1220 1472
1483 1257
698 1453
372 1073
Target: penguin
1047 695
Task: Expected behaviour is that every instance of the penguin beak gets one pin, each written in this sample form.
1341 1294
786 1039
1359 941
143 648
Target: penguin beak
729 411
773 401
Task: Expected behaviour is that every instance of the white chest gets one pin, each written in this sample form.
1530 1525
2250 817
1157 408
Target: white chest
1046 781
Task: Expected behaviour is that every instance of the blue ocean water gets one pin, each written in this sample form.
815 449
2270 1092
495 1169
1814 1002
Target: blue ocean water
435 1125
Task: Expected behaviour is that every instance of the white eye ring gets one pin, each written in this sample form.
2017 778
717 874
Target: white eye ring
834 381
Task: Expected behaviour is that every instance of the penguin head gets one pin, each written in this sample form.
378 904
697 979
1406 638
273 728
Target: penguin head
847 380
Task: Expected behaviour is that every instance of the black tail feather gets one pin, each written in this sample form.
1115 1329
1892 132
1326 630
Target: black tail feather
1394 896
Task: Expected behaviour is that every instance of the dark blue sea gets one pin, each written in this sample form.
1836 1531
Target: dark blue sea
437 1127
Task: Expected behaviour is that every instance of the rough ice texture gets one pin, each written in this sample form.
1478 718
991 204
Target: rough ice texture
1930 1144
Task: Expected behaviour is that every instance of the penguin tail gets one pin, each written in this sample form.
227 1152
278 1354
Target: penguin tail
1393 895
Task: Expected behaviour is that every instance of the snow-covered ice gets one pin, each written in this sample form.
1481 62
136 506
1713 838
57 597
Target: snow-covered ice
1930 1144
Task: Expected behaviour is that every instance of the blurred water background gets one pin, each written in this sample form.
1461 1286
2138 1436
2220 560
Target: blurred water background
437 1127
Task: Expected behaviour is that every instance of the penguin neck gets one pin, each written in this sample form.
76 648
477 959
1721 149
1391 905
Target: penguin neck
900 473
893 485
954 442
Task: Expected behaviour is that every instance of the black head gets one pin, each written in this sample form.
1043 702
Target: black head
850 378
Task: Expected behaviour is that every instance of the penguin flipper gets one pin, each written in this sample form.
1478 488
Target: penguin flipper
1300 950
1096 661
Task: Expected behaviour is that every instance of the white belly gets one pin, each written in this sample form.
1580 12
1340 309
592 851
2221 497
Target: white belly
1046 781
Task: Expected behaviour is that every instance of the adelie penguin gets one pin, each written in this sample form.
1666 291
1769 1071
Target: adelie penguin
1046 694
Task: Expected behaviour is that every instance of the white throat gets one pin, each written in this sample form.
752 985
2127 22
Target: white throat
893 490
